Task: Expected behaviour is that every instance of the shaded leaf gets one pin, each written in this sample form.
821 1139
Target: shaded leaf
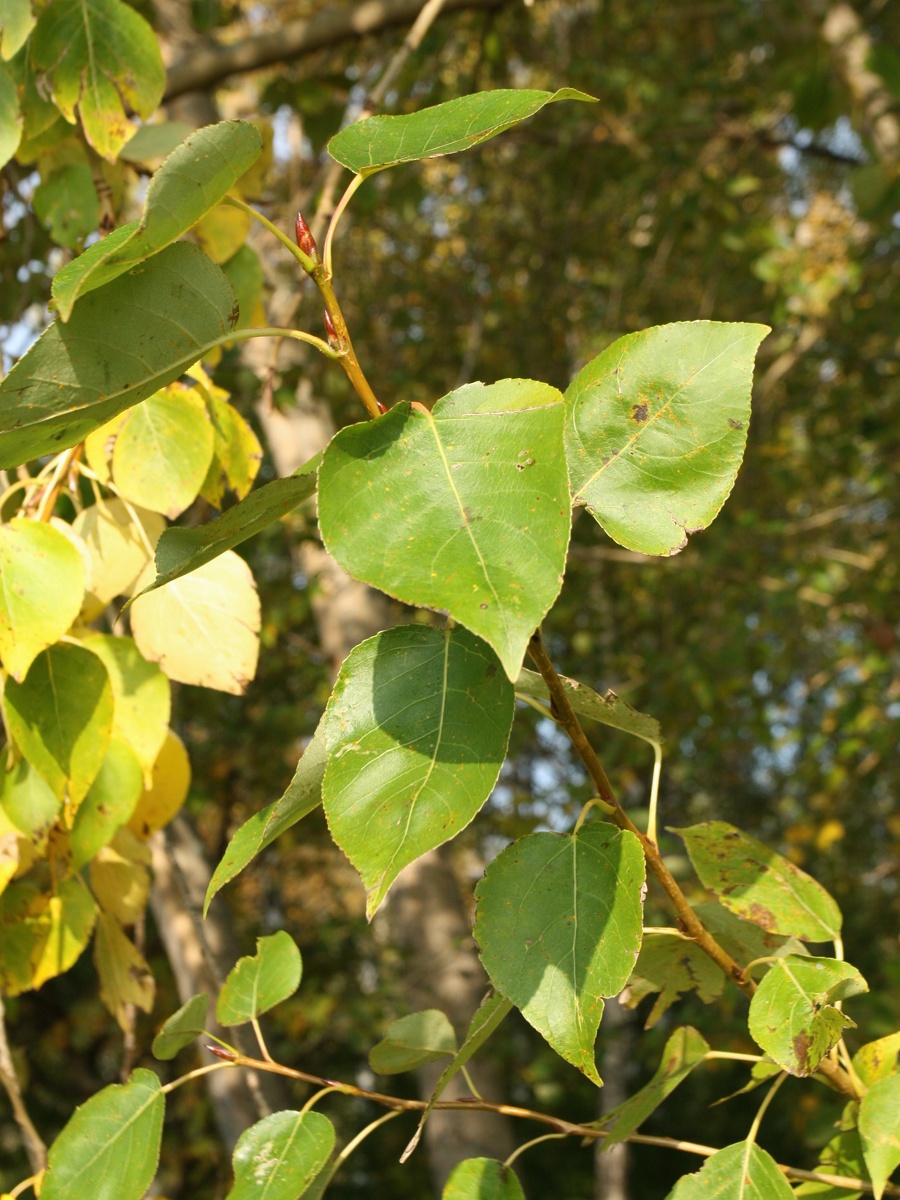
256 984
41 588
109 1149
170 781
121 344
304 793
245 274
412 1041
100 57
559 927
125 978
222 231
237 454
108 804
182 1028
760 1073
672 966
117 546
416 731
61 717
378 142
608 709
24 926
656 428
842 1156
120 878
66 202
278 1157
739 1172
71 914
759 885
203 628
194 178
879 1130
28 800
157 141
744 940
792 1014
477 489
482 1179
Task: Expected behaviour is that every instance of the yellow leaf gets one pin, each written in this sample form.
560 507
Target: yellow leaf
120 885
164 798
72 914
99 445
118 551
832 831
222 232
125 977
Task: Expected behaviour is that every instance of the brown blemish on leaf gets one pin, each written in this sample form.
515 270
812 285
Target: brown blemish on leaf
735 424
801 1050
640 413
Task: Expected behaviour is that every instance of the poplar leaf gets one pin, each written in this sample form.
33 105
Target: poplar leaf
672 966
117 547
125 978
16 22
879 1130
259 982
742 1170
72 914
108 804
28 800
120 880
280 1156
169 784
182 1028
10 115
412 1041
237 454
482 1179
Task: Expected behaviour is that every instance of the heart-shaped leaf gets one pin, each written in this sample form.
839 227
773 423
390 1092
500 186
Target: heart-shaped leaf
416 731
559 927
256 984
475 489
280 1156
656 427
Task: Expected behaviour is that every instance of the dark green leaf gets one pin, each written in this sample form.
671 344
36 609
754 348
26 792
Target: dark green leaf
280 1156
256 984
412 1041
482 1179
66 202
879 1130
739 1172
182 1028
656 427
559 926
477 490
416 731
122 344
672 965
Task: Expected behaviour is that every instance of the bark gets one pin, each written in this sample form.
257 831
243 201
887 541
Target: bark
850 48
207 65
611 1167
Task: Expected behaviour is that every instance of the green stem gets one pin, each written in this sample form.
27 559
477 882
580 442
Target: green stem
347 354
243 335
304 260
353 186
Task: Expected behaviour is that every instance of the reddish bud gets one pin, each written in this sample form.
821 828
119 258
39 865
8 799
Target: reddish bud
329 327
382 408
220 1052
305 239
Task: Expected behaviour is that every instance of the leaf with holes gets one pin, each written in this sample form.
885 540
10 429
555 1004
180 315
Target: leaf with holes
280 1156
416 732
559 927
475 490
378 142
122 344
656 427
742 1170
256 984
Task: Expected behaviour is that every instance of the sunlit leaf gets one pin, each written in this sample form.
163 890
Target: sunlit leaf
559 927
482 1179
108 804
379 142
182 1028
877 1059
278 1157
412 1041
256 984
119 547
125 978
120 877
245 274
656 427
237 454
416 731
10 114
170 781
16 22
72 913
739 1172
28 800
879 1130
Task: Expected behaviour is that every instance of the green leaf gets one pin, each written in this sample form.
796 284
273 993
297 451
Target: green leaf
416 732
245 274
163 450
100 57
10 114
122 344
482 1179
874 1061
280 1156
16 22
413 1041
759 885
476 489
125 978
108 804
237 454
203 629
656 427
609 709
181 551
254 985
142 696
842 1156
792 1014
66 202
303 795
684 1050
109 1150
41 589
672 966
61 717
879 1130
28 800
559 926
760 1073
156 141
182 1028
378 142
193 179
744 940
739 1172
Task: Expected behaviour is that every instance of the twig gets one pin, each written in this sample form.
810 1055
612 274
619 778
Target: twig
31 1139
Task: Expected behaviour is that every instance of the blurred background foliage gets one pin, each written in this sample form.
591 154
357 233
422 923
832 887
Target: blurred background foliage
732 170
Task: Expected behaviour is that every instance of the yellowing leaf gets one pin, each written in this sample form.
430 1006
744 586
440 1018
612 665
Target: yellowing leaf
118 551
108 804
120 885
41 588
237 454
16 22
98 446
204 627
164 798
72 914
222 231
9 850
24 925
125 977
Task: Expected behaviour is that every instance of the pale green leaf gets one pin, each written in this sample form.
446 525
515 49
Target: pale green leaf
125 978
182 1028
41 589
793 1017
66 202
559 927
378 142
152 143
671 965
739 1172
163 450
416 731
482 1179
656 427
28 800
476 490
194 177
203 628
237 454
873 1061
100 57
118 546
61 717
256 984
109 1150
412 1041
759 885
304 793
10 115
122 344
879 1130
684 1050
16 22
108 804
71 916
608 709
280 1156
